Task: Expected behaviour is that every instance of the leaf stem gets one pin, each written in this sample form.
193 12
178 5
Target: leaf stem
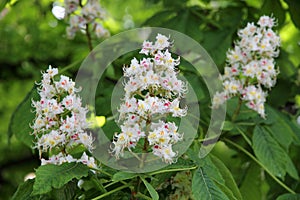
89 38
99 185
61 71
108 174
111 192
260 164
172 170
244 136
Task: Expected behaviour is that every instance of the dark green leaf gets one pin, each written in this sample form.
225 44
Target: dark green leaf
268 152
24 191
156 19
289 197
274 7
281 129
227 176
196 82
228 126
291 169
3 3
22 118
226 191
151 189
212 171
217 39
286 66
55 176
161 178
67 192
294 7
251 187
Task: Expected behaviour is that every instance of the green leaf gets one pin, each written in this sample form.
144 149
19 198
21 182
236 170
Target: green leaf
67 192
227 176
228 126
251 187
151 189
22 118
195 82
3 4
281 125
119 176
55 176
291 169
156 19
268 152
294 7
203 187
161 178
274 7
289 197
212 171
226 191
24 191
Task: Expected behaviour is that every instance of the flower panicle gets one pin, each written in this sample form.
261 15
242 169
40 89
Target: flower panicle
60 123
250 69
82 15
152 91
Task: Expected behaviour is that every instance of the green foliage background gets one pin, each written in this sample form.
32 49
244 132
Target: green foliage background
31 38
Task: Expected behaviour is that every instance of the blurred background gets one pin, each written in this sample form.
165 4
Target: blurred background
31 38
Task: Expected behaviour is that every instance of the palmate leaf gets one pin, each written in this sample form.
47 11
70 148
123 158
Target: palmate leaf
269 152
203 187
55 176
21 118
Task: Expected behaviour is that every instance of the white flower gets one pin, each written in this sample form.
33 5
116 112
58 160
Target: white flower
266 21
219 98
165 152
162 42
89 161
147 47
